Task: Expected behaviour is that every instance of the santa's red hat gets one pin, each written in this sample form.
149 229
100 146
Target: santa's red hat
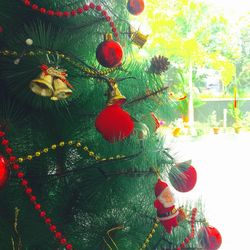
159 187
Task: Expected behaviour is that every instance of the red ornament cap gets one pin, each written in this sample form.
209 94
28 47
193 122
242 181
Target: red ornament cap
159 187
4 172
109 53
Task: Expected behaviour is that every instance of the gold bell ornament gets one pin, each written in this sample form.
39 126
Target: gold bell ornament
42 85
114 94
51 83
61 90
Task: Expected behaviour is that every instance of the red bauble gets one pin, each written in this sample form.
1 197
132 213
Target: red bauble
114 123
109 53
184 178
4 172
135 7
209 238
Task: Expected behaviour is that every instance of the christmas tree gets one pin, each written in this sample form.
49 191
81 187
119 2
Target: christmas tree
81 163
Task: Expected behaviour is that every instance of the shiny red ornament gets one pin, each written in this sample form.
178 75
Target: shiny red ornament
114 123
4 172
109 53
135 7
183 180
209 238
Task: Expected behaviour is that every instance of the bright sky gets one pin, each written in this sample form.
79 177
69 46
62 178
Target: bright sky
235 6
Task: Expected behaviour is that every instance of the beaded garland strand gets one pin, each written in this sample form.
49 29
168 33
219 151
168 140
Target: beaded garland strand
69 143
191 235
28 190
150 235
87 71
74 12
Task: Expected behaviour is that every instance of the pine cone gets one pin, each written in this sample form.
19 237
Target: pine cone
159 64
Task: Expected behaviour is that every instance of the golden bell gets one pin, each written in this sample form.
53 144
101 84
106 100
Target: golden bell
138 38
115 96
42 85
61 90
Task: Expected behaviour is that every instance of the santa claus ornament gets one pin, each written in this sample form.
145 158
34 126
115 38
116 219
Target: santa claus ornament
109 53
183 177
165 206
4 172
209 238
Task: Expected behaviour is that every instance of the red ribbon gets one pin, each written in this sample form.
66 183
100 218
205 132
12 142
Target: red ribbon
62 75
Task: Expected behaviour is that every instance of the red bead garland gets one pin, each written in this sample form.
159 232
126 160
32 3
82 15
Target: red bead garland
73 13
191 235
28 190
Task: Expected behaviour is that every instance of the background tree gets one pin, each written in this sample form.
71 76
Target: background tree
193 38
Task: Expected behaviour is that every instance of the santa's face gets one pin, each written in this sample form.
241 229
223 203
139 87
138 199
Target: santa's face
166 198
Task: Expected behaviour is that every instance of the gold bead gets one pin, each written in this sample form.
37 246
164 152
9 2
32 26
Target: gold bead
78 144
70 142
49 52
29 157
62 55
150 236
31 53
45 150
91 153
53 146
111 158
98 158
37 154
103 159
39 52
20 159
118 157
153 231
156 225
85 148
147 241
61 144
144 246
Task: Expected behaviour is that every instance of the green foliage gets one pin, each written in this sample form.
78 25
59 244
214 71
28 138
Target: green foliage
85 197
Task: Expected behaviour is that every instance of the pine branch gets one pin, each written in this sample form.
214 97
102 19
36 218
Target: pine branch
143 98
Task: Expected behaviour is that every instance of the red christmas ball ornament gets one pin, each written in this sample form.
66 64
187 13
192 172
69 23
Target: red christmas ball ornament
183 177
135 7
114 123
209 238
109 53
4 172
